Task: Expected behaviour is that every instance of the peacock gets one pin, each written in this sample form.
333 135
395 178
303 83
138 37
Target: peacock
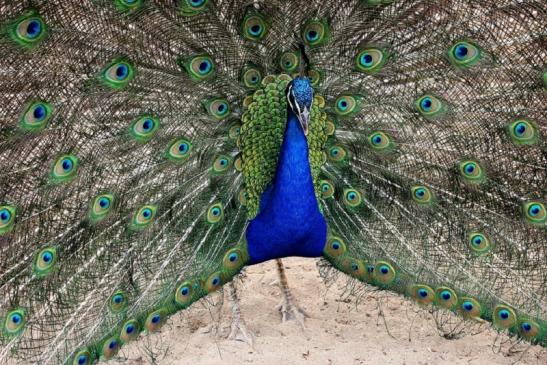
150 150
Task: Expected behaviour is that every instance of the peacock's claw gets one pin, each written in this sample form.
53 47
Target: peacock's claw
238 328
290 311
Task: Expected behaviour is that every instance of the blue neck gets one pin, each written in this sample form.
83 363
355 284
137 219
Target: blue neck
289 222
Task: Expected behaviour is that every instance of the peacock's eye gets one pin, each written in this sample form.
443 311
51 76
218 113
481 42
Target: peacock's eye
193 7
82 357
155 320
143 217
380 142
421 194
118 74
44 261
221 164
184 294
472 172
218 108
28 30
327 189
199 68
429 106
352 198
235 131
371 60
130 330
289 61
14 322
523 132
179 150
315 32
535 212
118 302
336 153
234 259
215 213
252 77
346 105
101 206
315 77
254 26
464 54
335 246
65 168
144 128
446 297
7 218
470 308
479 242
127 5
110 348
384 273
36 116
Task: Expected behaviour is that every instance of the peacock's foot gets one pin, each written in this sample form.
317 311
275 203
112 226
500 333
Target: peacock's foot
238 328
290 311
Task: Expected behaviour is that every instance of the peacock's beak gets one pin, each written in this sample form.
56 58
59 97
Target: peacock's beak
304 118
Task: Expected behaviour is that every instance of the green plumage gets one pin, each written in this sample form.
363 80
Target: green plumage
136 139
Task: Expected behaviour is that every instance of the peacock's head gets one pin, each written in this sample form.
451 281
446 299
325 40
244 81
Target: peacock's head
300 98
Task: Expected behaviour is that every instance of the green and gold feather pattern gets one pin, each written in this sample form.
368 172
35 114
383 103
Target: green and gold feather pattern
136 138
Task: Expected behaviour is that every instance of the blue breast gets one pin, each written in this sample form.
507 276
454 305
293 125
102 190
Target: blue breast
289 222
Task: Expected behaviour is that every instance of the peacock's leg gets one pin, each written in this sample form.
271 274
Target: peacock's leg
239 330
288 308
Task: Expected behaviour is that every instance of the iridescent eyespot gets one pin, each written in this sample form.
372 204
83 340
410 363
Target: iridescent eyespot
371 60
184 294
127 5
118 302
334 247
327 189
221 164
254 26
110 347
429 106
380 142
472 172
82 357
234 259
289 61
28 30
193 7
118 74
7 218
354 267
179 150
130 330
464 54
44 261
235 131
446 297
143 217
423 294
470 308
315 77
336 153
36 116
384 273
243 196
347 105
198 68
218 108
64 169
251 77
144 128
528 328
155 320
352 198
504 317
479 242
215 213
534 212
315 32
213 282
14 322
421 194
523 132
100 207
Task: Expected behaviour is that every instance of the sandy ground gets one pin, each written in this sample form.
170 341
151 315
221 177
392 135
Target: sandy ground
378 328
